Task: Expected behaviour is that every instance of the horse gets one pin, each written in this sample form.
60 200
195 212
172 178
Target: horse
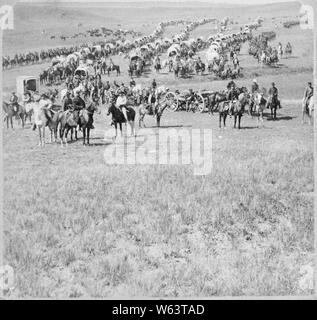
273 104
68 120
11 111
223 109
214 100
259 106
307 109
118 118
86 120
113 67
238 107
44 117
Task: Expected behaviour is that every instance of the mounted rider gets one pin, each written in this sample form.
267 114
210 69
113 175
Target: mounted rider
68 102
273 96
152 101
14 101
121 103
308 94
78 105
255 87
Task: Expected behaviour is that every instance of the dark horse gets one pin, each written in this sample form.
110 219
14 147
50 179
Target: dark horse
273 104
238 107
214 100
113 68
118 117
86 120
11 111
223 109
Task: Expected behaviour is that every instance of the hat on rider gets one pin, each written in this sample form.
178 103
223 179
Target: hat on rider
254 80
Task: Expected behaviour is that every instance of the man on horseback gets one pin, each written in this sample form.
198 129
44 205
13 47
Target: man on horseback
68 102
273 97
78 105
153 99
121 103
255 86
14 101
309 92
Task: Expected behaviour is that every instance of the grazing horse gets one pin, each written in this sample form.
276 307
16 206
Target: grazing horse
259 106
86 120
307 109
11 111
118 118
113 67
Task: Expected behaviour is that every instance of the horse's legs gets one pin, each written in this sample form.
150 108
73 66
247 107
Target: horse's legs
84 136
275 113
220 120
43 130
240 116
22 120
235 121
88 133
40 136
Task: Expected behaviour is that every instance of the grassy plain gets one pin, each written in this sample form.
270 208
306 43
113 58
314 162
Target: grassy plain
77 227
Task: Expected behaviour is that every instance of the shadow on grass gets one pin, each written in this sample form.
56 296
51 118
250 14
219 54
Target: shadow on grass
286 118
166 127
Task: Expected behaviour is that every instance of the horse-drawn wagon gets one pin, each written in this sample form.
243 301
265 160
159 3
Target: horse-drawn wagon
27 83
136 65
84 71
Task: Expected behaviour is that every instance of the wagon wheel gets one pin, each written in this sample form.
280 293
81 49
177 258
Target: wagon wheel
172 101
200 103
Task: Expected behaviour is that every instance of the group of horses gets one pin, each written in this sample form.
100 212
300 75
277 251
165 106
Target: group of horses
238 101
266 54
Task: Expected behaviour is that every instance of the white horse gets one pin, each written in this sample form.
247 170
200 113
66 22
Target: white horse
259 106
